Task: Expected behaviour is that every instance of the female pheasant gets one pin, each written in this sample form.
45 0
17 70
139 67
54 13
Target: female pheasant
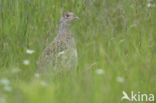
61 54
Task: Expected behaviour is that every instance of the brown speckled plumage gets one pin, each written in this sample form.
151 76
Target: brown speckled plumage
61 54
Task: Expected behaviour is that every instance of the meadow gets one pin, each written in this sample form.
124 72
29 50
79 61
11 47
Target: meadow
116 43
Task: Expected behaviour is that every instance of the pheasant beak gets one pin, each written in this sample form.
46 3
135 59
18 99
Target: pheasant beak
76 17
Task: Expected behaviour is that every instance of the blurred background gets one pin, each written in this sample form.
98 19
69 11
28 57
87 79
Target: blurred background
116 43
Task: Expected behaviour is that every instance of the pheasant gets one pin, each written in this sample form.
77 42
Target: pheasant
61 54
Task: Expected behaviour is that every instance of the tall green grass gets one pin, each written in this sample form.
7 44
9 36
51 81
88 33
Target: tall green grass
116 36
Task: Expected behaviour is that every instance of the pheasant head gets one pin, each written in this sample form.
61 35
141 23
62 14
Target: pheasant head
65 21
68 17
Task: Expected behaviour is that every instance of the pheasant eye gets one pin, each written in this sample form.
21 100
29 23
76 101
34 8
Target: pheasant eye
67 15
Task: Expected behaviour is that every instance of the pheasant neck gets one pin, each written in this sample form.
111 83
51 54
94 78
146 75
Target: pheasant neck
63 29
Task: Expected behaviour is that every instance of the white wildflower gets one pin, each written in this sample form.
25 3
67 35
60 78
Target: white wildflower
149 5
4 81
26 62
60 53
28 51
100 71
120 79
37 75
8 88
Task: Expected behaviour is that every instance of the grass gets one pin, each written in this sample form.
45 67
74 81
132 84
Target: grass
118 37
